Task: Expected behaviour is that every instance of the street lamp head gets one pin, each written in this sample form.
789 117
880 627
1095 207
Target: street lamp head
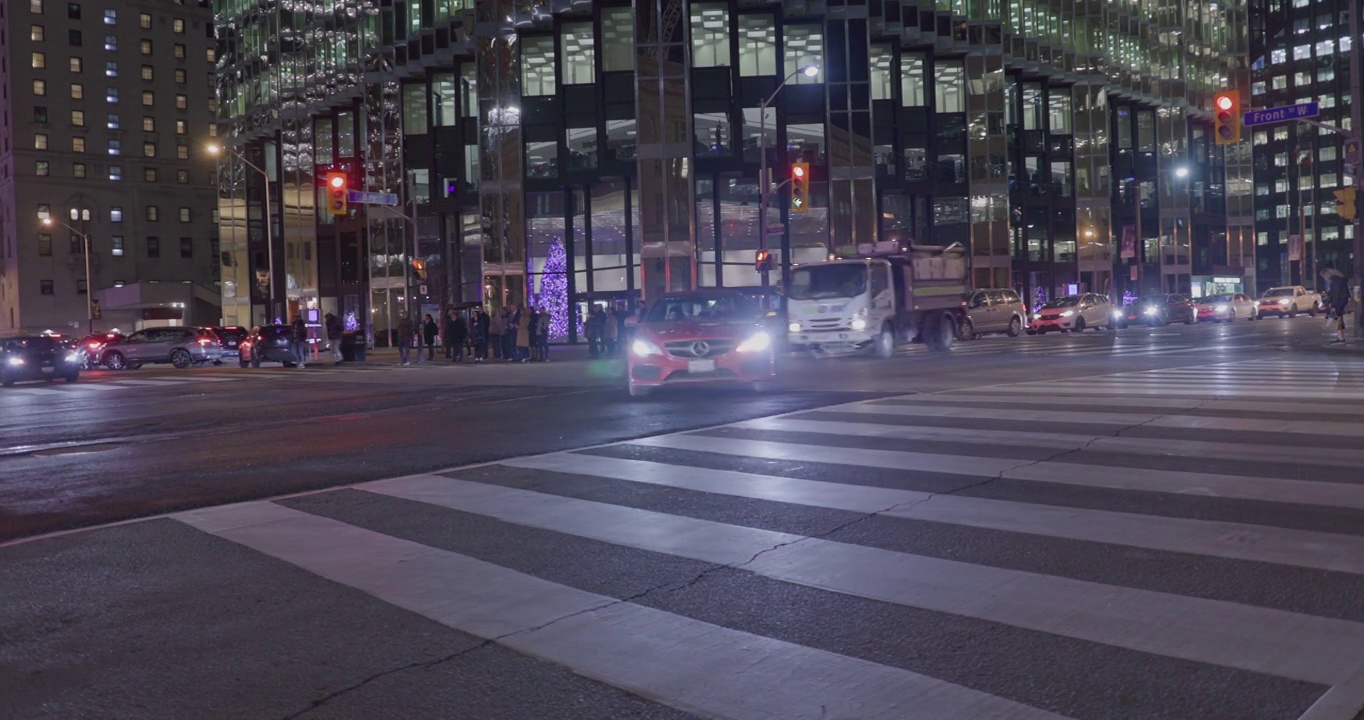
47 221
1181 172
811 71
213 149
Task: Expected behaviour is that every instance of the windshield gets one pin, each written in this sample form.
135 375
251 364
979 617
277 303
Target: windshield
716 307
1280 292
1152 300
1217 299
835 280
1070 301
32 343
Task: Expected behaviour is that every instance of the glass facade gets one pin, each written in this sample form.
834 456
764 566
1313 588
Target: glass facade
1065 144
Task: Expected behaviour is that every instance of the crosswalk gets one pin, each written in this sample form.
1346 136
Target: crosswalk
1052 347
1179 543
101 382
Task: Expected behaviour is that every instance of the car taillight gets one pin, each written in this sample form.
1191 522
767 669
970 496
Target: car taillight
205 342
95 346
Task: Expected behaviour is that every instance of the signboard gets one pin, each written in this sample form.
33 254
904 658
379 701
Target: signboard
1129 242
1294 248
1134 273
1225 280
1352 152
371 198
1251 118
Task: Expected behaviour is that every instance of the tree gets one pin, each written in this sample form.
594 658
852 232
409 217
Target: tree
553 295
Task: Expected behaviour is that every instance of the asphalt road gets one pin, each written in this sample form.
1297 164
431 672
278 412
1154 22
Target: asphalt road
1156 523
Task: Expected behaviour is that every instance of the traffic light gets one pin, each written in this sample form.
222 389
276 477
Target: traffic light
337 194
762 261
95 311
419 269
1226 107
800 187
1345 203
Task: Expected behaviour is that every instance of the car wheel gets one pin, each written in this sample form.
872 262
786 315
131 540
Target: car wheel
1292 312
181 359
1193 318
966 331
1231 315
1015 326
884 347
1031 332
639 391
1079 325
1312 312
114 360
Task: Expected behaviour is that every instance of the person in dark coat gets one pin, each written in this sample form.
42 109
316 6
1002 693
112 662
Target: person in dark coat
300 341
479 333
334 333
429 332
404 338
1337 301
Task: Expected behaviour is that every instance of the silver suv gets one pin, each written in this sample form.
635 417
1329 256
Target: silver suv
993 311
179 346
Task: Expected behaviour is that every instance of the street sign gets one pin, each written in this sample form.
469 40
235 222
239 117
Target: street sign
776 228
371 198
1352 152
1282 114
1294 248
422 289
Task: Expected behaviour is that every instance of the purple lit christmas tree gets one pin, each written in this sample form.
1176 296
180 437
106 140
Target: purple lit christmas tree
553 295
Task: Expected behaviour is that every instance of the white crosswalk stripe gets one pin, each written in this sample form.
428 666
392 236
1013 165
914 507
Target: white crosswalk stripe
1244 471
107 381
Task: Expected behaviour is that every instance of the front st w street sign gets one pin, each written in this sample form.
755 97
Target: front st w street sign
1251 118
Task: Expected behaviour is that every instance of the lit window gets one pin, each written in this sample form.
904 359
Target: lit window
211 55
178 26
115 147
913 85
882 60
43 168
144 21
78 170
148 124
181 127
77 91
115 173
112 122
146 46
618 40
710 34
35 33
179 51
184 214
153 213
149 150
39 60
40 141
804 48
537 66
35 7
44 211
148 98
149 175
75 64
117 241
116 214
110 17
180 76
579 63
111 96
182 152
40 88
78 118
110 43
111 69
181 102
147 72
950 82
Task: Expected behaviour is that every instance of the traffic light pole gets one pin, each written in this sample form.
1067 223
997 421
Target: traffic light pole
1356 126
763 190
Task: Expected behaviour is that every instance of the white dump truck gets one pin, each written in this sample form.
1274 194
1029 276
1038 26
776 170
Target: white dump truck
877 300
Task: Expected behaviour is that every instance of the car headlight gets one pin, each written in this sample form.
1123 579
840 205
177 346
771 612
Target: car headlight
73 357
758 342
859 324
793 327
1220 308
16 361
1150 311
1037 316
643 347
1117 314
1068 313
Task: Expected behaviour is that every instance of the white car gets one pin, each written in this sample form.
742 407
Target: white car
1288 301
1075 313
1227 307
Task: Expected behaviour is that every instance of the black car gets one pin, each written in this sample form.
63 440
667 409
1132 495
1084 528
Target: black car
231 338
37 357
1157 310
267 343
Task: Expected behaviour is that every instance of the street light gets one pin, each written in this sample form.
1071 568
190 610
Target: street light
216 151
89 286
763 189
1181 172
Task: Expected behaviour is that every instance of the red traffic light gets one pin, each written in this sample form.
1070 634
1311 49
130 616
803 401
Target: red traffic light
337 181
798 171
1224 102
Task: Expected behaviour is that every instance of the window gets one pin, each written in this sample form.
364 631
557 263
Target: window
78 170
148 124
111 96
149 175
179 51
178 26
537 66
116 173
78 118
148 98
153 213
211 55
77 91
804 47
75 245
950 85
35 7
146 46
115 214
45 245
40 114
414 109
112 122
147 73
117 242
35 33
181 77
111 43
710 34
579 54
186 247
184 214
181 102
39 60
153 247
882 60
45 287
618 39
757 45
144 21
40 141
912 83
111 69
73 38
44 211
40 88
149 149
75 64
115 147
73 11
78 144
182 152
43 169
182 177
80 286
181 127
110 17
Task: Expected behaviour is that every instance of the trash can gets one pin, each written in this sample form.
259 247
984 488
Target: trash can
352 347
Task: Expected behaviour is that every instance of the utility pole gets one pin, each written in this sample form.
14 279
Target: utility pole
1356 125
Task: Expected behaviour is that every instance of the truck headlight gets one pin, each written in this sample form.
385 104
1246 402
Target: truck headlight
757 342
793 327
859 323
15 361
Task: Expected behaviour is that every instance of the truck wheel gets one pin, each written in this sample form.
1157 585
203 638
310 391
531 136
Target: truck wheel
940 330
884 347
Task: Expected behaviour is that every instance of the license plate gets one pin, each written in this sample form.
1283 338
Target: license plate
49 369
701 366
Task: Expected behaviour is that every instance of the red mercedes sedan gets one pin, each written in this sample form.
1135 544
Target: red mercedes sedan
704 336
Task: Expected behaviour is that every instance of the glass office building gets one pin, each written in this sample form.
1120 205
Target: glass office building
613 148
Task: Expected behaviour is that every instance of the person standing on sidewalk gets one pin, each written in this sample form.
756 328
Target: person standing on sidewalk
524 321
533 330
334 333
405 334
592 330
300 341
1338 300
543 339
495 329
609 331
429 333
479 331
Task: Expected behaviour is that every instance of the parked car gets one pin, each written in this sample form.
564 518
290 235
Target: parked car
37 357
92 348
267 343
1156 310
180 346
1288 301
230 337
704 336
1227 307
1072 313
992 311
